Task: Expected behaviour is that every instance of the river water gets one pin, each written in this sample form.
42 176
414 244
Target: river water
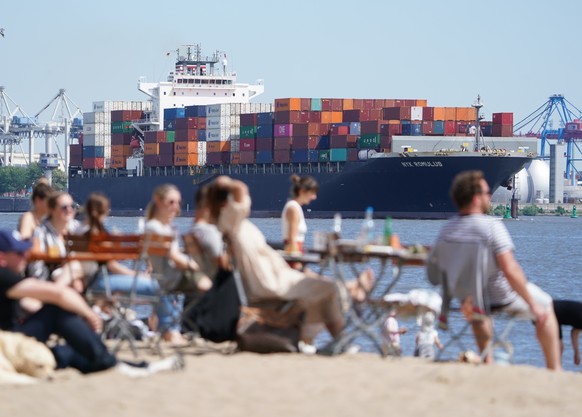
547 247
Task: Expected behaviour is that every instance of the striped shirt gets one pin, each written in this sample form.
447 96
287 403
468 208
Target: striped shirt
492 233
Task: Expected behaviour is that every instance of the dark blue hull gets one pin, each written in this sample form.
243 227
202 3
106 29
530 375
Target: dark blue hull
399 186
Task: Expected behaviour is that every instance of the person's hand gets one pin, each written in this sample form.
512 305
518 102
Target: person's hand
403 330
94 321
541 314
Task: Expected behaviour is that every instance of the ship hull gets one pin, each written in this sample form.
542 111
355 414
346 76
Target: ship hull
398 186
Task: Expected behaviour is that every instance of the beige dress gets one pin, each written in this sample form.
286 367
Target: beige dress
267 275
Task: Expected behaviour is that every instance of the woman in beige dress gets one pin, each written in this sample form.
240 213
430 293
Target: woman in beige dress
265 273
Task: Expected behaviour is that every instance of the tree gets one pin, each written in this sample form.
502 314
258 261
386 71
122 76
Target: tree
14 179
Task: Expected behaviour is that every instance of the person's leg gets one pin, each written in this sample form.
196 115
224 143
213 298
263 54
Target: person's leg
483 331
547 334
169 312
84 350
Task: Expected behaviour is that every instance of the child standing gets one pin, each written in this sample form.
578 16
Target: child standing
427 337
391 332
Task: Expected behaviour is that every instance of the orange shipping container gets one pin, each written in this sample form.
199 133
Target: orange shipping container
348 104
421 102
117 162
466 114
282 104
219 146
450 113
337 117
439 113
121 150
326 117
186 159
186 147
148 149
235 158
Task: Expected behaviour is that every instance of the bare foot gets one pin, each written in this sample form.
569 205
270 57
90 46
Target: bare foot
174 337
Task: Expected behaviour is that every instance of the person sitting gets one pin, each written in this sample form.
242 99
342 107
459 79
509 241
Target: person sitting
160 214
569 313
34 217
507 285
64 313
49 238
265 273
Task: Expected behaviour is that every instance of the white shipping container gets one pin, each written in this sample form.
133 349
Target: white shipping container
108 106
89 117
96 128
215 135
234 145
201 148
107 151
202 159
97 140
218 110
218 122
416 113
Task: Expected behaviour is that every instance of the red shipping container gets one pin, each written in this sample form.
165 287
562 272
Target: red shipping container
502 130
357 104
218 158
428 113
282 156
305 104
94 163
249 119
248 145
394 130
325 104
77 160
352 141
339 130
300 142
189 123
280 144
150 160
353 154
264 144
337 104
186 135
371 126
352 115
375 114
166 160
247 157
368 104
313 129
427 127
324 129
450 128
503 119
336 142
166 149
389 102
235 158
76 150
313 142
300 129
314 116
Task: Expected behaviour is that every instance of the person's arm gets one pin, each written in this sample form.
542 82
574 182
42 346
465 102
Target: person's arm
518 281
26 225
116 267
574 336
292 217
64 297
437 341
238 189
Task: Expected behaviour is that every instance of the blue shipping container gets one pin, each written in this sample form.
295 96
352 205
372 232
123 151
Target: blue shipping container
315 104
169 124
313 155
202 136
265 118
438 127
93 152
174 113
355 128
264 157
300 155
323 142
264 131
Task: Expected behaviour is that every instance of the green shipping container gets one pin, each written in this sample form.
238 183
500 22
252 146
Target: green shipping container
315 104
338 155
324 155
121 127
170 136
248 132
369 141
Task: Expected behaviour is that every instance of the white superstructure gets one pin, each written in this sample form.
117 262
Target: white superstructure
197 80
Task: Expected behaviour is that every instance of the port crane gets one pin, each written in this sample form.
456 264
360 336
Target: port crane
540 124
16 125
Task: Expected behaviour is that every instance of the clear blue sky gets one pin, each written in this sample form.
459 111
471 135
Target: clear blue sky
513 53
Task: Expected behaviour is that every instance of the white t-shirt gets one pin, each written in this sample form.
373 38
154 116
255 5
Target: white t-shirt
302 227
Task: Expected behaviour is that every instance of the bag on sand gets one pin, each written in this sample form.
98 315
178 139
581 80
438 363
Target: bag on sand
270 329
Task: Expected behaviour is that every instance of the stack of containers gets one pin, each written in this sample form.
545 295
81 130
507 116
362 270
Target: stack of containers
121 135
502 124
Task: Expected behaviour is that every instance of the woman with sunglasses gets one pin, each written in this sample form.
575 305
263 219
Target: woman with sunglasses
49 237
160 214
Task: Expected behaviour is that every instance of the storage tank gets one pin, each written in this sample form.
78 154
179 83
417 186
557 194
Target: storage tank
531 182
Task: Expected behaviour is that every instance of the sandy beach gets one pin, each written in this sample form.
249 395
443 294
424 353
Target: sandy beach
245 384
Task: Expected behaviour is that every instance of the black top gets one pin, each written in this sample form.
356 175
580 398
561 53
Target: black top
568 313
8 279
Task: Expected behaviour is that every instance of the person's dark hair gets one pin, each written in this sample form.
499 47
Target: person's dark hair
200 196
96 206
465 186
41 191
305 183
216 196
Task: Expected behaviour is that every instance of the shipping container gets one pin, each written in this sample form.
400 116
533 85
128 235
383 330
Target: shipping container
218 146
93 152
248 132
503 119
339 141
324 155
265 118
286 104
369 141
264 144
282 156
502 130
300 142
282 144
264 157
170 136
154 136
115 162
121 127
300 155
123 150
167 159
174 113
338 155
186 135
249 119
247 157
283 130
148 149
264 131
315 105
189 159
248 145
185 147
166 148
93 163
355 128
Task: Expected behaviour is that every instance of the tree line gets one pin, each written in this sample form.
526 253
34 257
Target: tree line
19 179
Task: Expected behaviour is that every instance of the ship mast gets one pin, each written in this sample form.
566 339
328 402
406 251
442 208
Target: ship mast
477 105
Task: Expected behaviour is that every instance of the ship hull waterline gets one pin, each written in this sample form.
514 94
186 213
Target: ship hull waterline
413 187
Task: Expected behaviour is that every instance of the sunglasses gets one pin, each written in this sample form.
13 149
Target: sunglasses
66 207
172 202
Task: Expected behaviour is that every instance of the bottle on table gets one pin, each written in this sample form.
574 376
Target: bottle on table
367 229
387 230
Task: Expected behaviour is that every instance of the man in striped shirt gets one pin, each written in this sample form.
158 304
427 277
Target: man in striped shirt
507 286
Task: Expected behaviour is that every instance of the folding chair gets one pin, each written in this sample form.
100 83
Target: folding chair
462 269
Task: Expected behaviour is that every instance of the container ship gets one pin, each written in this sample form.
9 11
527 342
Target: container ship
397 155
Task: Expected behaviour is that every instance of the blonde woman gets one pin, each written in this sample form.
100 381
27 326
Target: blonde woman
160 214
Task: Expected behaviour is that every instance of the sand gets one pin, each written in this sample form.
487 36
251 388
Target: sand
245 384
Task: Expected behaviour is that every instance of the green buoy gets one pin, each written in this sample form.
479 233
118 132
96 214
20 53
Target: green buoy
574 215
